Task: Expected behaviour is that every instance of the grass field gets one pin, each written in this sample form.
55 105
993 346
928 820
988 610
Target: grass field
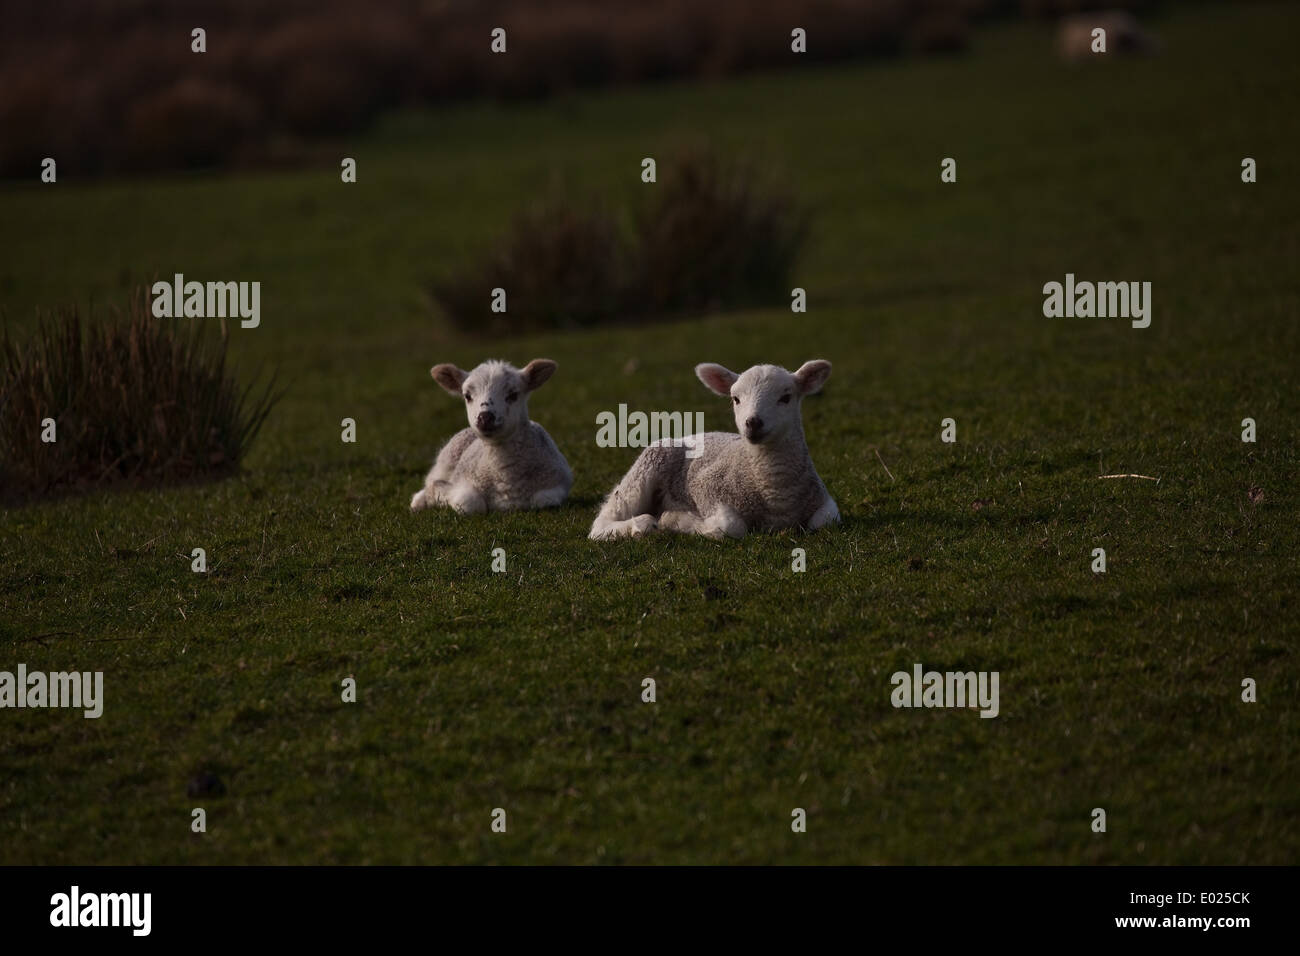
522 690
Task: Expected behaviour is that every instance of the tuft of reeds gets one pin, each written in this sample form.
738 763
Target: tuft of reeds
133 399
714 234
560 267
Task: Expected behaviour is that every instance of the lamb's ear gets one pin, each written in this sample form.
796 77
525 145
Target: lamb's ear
449 377
716 378
812 376
536 373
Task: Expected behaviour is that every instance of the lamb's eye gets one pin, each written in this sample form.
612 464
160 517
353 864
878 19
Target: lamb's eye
469 397
785 400
512 396
735 399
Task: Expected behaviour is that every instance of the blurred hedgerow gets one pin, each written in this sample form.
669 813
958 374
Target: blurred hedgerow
108 86
133 399
711 234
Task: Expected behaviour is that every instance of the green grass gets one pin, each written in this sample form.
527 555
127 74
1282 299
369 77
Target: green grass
522 690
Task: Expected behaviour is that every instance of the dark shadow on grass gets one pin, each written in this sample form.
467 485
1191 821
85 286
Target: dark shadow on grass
980 619
959 519
352 591
12 500
1054 607
951 520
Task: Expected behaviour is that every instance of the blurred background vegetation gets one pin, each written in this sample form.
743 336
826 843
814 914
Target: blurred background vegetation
112 85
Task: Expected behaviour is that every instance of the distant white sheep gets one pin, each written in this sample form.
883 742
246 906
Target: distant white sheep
503 461
1123 35
762 481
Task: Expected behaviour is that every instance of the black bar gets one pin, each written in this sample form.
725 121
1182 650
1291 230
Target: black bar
979 905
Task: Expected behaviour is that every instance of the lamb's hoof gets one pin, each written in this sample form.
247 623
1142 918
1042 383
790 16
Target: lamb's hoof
642 525
631 528
466 502
722 529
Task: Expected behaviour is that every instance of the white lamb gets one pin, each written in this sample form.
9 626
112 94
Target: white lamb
503 461
763 481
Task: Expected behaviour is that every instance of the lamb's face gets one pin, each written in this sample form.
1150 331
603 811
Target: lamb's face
496 401
495 394
765 399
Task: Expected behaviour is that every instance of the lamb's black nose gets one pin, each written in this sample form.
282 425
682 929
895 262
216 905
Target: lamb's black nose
485 422
753 424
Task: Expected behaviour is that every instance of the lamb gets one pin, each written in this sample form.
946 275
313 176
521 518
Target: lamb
503 461
764 480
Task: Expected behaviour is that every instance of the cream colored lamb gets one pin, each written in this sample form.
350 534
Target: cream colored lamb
503 461
761 479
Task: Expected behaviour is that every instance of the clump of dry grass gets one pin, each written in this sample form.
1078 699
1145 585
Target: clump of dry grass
133 398
714 235
561 267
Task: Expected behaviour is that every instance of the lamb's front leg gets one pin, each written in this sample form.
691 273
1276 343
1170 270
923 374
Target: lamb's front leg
825 515
433 493
723 522
465 499
683 522
549 497
606 528
626 512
